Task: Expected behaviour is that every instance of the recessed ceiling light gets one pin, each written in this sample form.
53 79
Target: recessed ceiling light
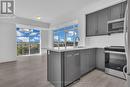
38 18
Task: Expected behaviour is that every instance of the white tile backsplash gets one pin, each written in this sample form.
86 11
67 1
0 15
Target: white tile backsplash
105 40
116 39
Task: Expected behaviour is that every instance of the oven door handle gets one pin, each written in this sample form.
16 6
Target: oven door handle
115 52
125 73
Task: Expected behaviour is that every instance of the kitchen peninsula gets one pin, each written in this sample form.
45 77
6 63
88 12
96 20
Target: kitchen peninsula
68 65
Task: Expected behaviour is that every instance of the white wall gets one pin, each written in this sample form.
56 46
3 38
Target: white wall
50 39
7 42
46 40
80 16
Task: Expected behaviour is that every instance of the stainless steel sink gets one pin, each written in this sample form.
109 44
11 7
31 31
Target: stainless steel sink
80 47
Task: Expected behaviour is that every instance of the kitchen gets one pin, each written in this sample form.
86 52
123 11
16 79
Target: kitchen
73 43
104 48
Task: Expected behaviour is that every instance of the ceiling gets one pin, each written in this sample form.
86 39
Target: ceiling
48 10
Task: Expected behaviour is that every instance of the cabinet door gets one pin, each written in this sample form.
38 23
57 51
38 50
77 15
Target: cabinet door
102 21
91 24
84 62
92 60
54 67
123 9
72 66
115 12
100 59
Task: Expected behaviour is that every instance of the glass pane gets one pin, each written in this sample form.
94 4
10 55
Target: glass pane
34 39
61 34
70 37
22 48
34 33
18 33
71 34
34 48
56 39
27 38
59 38
22 39
22 32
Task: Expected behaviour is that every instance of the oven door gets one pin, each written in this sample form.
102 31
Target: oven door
115 60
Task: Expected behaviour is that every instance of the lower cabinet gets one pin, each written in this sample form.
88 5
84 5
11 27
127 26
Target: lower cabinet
54 68
63 68
100 59
84 61
87 60
92 59
71 66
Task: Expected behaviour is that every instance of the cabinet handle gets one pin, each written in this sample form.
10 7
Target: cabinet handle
76 54
48 52
69 55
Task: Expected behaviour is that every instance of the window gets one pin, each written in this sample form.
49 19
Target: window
28 41
71 33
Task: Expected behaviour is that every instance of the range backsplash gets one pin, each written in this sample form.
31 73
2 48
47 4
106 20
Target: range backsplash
106 40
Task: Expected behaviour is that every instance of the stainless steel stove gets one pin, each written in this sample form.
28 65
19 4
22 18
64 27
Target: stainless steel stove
115 60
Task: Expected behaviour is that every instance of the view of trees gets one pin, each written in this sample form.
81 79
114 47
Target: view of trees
28 41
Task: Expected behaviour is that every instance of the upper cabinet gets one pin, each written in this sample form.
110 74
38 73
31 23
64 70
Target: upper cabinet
115 12
102 22
123 8
91 24
96 23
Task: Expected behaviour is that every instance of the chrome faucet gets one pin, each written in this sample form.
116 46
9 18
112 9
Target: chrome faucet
77 39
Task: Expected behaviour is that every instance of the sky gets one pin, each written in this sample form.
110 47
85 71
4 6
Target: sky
27 35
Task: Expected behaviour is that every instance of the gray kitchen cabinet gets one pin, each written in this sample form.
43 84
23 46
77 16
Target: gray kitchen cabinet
91 24
63 68
71 66
84 61
102 22
115 12
96 23
87 60
123 9
54 68
92 59
100 59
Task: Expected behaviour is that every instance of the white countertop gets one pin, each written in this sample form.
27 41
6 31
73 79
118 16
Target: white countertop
62 49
